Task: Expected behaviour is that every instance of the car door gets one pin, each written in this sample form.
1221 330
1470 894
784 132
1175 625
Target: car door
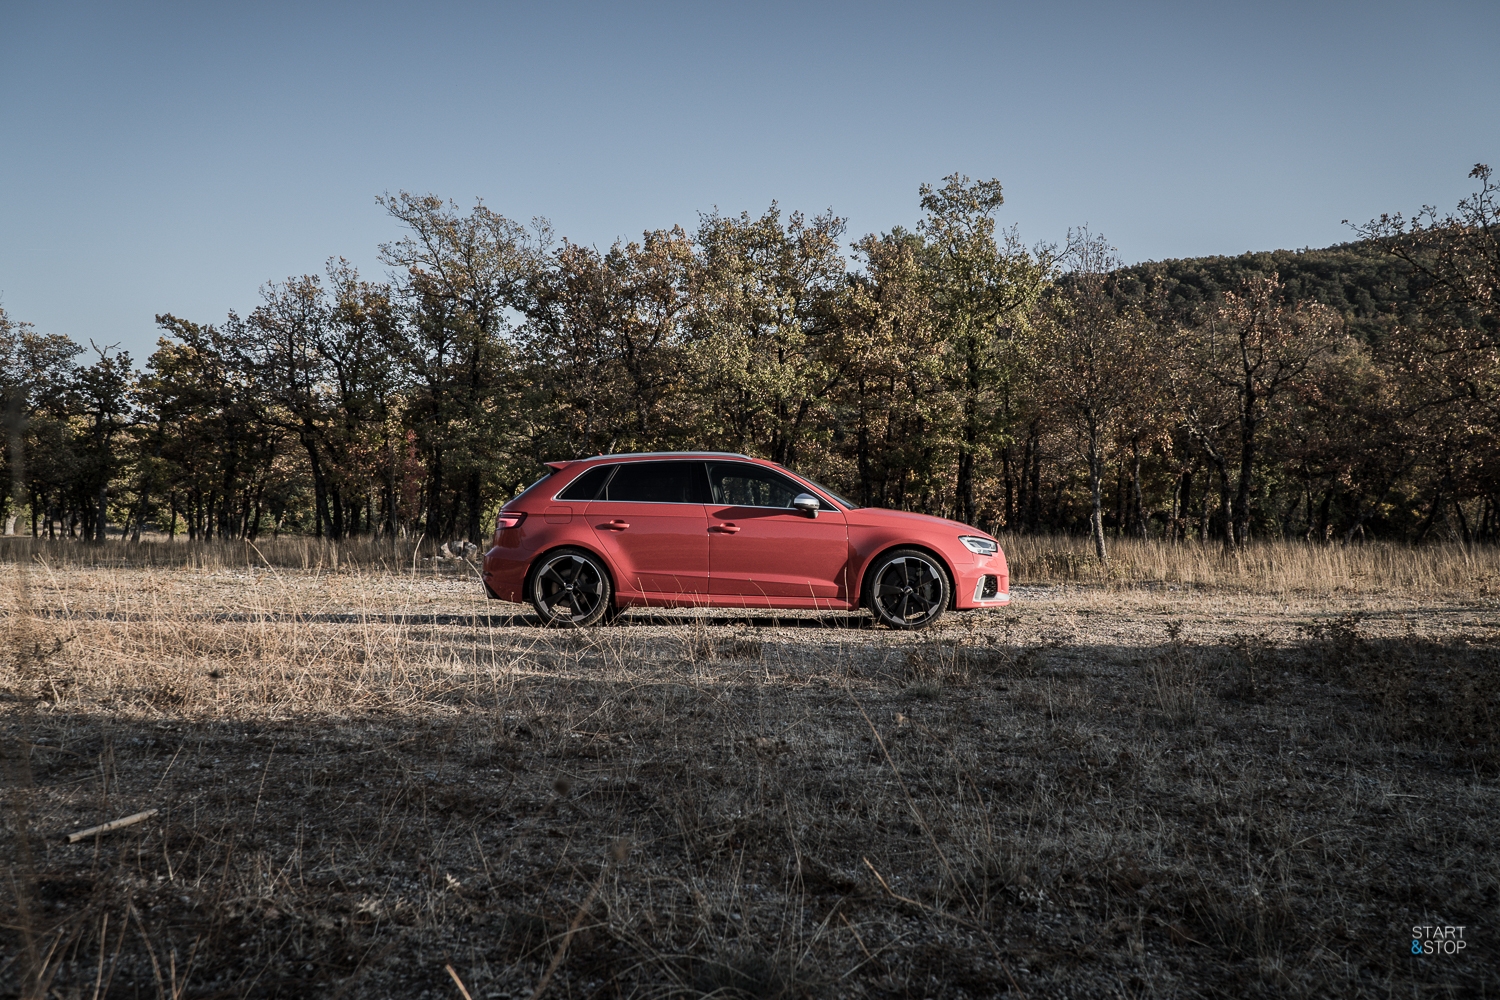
760 546
651 521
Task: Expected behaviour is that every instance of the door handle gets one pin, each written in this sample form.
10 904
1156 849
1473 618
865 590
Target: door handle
617 525
727 529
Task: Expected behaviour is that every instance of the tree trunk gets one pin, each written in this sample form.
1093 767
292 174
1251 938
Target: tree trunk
435 499
137 517
1183 505
1141 531
1096 475
862 441
1034 517
1023 484
1432 513
320 489
1463 524
966 485
252 529
1241 533
1008 512
474 532
1208 490
1227 502
336 505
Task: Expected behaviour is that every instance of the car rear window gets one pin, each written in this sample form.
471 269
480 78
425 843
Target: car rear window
659 482
588 485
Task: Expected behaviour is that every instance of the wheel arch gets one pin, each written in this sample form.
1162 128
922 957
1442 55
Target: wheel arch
889 547
536 560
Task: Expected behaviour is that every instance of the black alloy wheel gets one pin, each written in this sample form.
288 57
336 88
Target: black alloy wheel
908 589
570 589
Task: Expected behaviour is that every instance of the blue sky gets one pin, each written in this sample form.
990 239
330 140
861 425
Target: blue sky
172 158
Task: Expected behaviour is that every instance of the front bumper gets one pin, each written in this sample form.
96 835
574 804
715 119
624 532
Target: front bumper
984 583
987 591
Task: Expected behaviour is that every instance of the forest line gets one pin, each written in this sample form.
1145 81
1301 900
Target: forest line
1328 395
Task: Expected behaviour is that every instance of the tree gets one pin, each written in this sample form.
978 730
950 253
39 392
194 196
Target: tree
211 442
891 394
463 279
1235 365
981 290
36 371
1097 367
101 394
1448 353
761 325
607 343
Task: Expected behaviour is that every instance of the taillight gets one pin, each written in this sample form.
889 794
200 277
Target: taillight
509 519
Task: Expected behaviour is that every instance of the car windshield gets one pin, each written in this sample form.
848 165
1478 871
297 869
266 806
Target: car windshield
847 505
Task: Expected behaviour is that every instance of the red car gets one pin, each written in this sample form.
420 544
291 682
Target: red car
696 529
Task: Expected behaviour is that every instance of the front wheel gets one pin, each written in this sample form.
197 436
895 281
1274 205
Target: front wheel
570 589
908 589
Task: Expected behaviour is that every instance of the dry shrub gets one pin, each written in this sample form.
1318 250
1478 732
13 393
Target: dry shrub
1245 920
934 663
699 644
1252 671
1173 674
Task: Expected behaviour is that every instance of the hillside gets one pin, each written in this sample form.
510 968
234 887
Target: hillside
1368 286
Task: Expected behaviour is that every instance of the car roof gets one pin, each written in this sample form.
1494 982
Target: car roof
626 456
671 454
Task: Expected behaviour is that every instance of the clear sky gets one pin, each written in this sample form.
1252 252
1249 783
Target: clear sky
172 158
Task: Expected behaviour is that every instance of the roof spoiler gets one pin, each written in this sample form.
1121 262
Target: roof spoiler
556 466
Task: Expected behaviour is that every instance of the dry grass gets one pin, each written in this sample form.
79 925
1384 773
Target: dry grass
1290 569
1293 569
365 777
289 552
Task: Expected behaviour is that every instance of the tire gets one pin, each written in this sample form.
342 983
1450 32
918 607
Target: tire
908 589
570 588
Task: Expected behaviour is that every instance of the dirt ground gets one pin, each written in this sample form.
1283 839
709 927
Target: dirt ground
363 782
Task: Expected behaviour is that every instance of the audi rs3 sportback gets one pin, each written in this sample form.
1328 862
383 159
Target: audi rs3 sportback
708 529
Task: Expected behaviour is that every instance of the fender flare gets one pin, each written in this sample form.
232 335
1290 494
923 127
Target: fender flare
614 588
864 576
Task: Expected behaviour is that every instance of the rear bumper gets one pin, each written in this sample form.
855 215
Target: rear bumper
505 574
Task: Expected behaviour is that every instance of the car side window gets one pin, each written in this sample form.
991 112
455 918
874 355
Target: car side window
737 485
588 485
659 482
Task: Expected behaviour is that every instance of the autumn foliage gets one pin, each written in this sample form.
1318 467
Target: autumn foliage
1329 395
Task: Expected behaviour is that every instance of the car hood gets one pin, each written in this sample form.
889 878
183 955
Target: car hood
873 516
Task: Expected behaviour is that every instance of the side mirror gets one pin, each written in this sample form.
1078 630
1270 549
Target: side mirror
807 504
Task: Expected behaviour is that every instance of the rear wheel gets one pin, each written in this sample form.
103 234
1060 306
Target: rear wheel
908 589
570 589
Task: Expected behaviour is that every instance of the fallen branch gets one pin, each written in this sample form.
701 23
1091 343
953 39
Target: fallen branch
458 982
111 826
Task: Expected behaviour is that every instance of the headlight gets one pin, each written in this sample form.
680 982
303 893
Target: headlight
980 545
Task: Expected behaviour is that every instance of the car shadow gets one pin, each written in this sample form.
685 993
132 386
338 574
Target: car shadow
636 618
633 618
